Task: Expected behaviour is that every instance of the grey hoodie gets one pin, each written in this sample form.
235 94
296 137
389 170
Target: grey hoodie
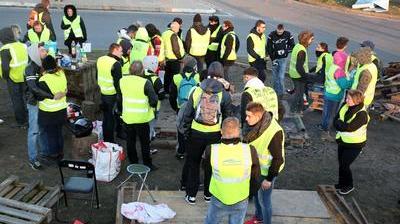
6 37
211 85
32 75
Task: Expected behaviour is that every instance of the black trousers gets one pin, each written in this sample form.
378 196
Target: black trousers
260 65
143 131
211 56
109 117
194 151
16 91
346 157
172 67
297 103
54 138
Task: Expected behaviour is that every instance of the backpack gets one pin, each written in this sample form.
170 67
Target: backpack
33 16
208 110
185 88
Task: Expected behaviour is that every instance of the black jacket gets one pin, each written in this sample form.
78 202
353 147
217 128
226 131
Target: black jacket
229 47
6 37
33 92
200 29
279 46
360 120
72 18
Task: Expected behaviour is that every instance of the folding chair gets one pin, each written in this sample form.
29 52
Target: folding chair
79 184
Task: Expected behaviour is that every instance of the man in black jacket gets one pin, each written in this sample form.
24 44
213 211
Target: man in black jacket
33 95
279 44
215 40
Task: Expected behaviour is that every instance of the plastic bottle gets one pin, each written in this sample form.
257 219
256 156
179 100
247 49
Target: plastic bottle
73 50
78 53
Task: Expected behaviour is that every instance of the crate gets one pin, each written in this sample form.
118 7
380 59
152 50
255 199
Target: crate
27 203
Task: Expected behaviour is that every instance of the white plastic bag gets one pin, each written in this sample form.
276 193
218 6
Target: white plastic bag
145 213
107 159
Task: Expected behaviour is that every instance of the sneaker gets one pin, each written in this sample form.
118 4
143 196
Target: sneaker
153 151
346 190
180 156
207 199
190 200
253 220
35 165
1 121
290 91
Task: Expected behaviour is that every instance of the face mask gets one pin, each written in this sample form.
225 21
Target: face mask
318 53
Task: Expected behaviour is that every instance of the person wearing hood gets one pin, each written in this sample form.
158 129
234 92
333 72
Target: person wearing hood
73 26
256 91
33 71
157 44
298 70
14 59
141 46
280 43
267 136
109 72
197 41
179 93
127 34
228 49
150 65
43 16
137 111
174 52
256 45
53 111
215 40
38 34
375 59
207 106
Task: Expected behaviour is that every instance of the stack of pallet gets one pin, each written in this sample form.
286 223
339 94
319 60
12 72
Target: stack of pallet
317 100
22 203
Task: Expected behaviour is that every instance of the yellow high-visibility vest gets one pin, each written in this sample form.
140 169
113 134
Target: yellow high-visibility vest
75 25
56 82
169 53
293 61
259 46
199 42
104 76
19 61
358 136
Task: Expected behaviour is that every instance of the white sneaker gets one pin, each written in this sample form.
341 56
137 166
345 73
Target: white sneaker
190 200
1 121
153 151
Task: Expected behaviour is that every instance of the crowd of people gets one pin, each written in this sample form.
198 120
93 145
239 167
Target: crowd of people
241 154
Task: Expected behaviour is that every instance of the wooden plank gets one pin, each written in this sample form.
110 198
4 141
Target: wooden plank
21 214
6 190
28 188
48 200
25 206
13 192
128 188
7 182
358 209
28 197
10 220
38 196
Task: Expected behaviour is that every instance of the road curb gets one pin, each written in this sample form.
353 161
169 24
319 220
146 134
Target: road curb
120 8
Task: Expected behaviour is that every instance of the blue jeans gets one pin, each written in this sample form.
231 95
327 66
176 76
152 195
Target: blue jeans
328 113
263 204
278 75
217 211
34 137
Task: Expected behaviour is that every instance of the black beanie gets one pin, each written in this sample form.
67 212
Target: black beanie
49 63
197 18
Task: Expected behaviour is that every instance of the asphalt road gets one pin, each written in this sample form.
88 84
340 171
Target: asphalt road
103 25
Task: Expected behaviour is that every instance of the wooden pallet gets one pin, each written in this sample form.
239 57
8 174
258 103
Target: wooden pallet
127 193
33 197
317 100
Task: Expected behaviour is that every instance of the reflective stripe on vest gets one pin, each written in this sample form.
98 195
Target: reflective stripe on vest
370 91
259 46
231 170
126 65
19 60
56 82
135 104
261 144
331 85
74 25
104 77
293 61
34 37
214 45
328 62
199 42
201 127
266 97
358 136
169 53
177 79
232 56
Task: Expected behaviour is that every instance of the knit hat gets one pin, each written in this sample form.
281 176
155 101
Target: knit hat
368 43
49 63
150 63
197 18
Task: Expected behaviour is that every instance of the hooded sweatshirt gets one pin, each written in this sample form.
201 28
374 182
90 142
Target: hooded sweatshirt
46 19
6 37
32 75
200 29
211 85
72 18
